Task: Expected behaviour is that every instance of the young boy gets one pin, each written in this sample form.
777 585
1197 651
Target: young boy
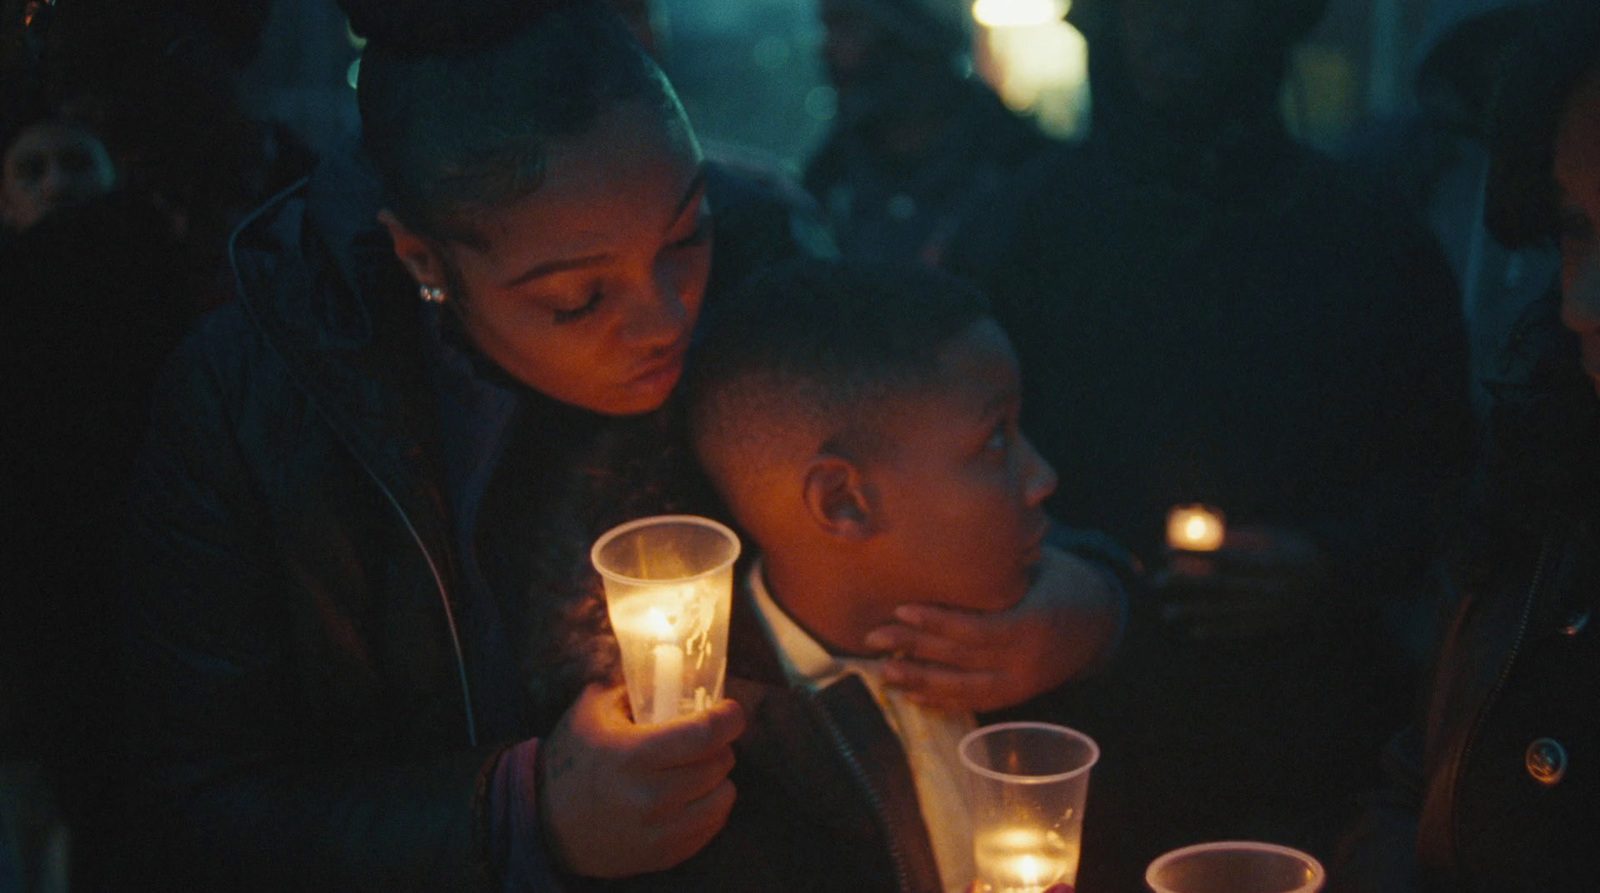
861 425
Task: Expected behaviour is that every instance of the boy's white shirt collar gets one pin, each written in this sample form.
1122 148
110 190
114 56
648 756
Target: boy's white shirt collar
927 735
805 662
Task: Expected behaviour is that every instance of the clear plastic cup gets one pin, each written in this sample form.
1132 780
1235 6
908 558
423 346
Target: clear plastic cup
669 586
1027 782
1235 866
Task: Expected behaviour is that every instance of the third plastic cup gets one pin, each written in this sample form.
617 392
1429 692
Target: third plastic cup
1028 782
1235 866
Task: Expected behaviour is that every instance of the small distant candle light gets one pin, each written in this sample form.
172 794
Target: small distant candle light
1195 528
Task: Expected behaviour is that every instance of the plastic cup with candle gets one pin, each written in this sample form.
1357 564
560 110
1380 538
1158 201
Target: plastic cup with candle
1235 866
1027 782
669 586
1195 528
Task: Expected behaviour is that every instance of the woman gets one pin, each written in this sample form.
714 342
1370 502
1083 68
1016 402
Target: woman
340 679
1496 789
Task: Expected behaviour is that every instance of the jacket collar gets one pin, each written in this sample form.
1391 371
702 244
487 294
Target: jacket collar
316 274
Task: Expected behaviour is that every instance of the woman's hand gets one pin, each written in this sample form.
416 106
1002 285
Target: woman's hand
619 799
980 661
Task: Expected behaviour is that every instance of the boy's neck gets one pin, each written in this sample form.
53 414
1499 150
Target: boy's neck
818 597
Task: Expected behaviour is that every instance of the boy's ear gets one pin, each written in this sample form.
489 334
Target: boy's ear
838 497
418 254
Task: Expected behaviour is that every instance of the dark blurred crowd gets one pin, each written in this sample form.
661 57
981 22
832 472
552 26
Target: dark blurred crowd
1205 310
129 158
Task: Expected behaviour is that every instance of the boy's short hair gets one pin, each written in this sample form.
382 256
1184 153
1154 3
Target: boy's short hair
804 356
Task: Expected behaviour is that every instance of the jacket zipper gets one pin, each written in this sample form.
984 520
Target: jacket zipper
1540 568
896 856
433 567
444 600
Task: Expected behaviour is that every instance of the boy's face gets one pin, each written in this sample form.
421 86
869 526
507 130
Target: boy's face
960 490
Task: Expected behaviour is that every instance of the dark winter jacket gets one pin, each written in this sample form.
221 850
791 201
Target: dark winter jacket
1497 786
826 800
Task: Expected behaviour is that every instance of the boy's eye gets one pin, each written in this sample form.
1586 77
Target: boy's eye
576 313
999 438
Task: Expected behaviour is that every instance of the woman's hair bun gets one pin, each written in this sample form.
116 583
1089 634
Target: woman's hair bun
431 27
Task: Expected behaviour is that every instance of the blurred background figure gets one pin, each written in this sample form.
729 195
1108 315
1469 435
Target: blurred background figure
162 82
1434 154
918 142
51 164
1207 311
753 190
1491 787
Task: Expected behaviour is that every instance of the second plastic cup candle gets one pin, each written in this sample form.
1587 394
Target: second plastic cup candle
1027 783
669 586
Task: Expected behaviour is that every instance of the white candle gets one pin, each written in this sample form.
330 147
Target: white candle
666 664
1194 528
667 658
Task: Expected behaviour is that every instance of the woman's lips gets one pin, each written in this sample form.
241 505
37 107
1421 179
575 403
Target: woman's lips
664 370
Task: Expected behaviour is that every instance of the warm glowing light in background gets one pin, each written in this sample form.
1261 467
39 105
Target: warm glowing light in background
1195 528
1017 13
1036 62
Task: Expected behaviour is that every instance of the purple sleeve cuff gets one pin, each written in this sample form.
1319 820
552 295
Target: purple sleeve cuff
516 841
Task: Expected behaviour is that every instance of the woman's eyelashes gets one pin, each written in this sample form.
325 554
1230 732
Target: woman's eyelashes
576 313
701 234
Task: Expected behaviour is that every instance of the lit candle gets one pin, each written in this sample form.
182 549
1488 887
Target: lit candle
655 630
666 660
1194 528
1023 860
668 582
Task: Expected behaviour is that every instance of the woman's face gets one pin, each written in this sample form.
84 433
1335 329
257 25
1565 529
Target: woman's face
1577 170
587 289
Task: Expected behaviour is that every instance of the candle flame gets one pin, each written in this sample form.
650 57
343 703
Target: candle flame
658 624
1194 528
